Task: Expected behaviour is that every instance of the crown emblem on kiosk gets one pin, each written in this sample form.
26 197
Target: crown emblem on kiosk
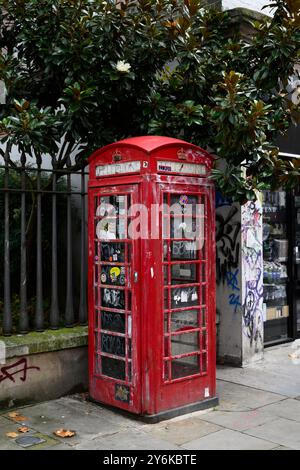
116 156
181 154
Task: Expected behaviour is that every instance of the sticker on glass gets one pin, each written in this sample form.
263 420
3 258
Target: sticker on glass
183 200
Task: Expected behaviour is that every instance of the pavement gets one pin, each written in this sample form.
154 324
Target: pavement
259 410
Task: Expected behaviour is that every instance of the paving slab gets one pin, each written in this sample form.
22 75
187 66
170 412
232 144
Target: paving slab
278 372
179 432
236 397
282 431
239 420
133 440
229 440
69 414
7 443
288 408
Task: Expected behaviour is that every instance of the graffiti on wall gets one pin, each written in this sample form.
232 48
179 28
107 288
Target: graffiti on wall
19 368
233 286
228 245
252 260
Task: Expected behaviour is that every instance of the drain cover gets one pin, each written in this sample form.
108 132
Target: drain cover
28 441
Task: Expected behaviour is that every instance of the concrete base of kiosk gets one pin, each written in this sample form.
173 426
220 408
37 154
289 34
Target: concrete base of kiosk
164 415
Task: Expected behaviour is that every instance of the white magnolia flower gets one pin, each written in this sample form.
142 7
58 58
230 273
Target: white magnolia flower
123 66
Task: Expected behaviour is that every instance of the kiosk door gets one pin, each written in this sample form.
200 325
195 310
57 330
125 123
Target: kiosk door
114 325
188 304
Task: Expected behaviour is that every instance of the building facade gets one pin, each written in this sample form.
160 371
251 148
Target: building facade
258 259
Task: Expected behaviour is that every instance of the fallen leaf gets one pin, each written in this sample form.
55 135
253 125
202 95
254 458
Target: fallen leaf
294 356
64 433
20 418
13 435
24 429
16 416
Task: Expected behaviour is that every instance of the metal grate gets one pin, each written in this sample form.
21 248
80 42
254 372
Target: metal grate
30 198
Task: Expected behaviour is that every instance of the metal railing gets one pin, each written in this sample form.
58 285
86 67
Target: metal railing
41 230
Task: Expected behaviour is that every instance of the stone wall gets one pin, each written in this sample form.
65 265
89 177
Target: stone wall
43 366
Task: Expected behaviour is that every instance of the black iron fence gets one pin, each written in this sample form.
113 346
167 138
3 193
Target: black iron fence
43 247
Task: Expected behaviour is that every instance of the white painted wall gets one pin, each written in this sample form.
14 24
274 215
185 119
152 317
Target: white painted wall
256 5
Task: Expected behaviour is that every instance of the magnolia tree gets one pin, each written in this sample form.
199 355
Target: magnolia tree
83 73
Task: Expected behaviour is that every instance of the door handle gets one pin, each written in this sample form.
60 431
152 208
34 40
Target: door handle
135 277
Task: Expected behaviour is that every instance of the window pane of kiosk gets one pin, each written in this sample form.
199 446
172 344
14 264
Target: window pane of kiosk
112 252
184 343
113 298
183 273
113 368
113 344
184 267
113 321
112 288
184 320
113 275
183 250
184 296
185 366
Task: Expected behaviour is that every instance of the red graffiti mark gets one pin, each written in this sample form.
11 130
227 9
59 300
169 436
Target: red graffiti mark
8 372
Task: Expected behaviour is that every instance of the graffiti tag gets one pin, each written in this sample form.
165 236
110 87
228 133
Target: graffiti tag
19 367
228 246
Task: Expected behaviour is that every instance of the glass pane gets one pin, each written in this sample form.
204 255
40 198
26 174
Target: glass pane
185 343
184 320
185 366
275 254
183 273
166 299
184 250
184 227
166 227
165 268
113 321
112 344
129 300
111 252
184 296
113 275
113 368
111 205
111 228
113 298
186 202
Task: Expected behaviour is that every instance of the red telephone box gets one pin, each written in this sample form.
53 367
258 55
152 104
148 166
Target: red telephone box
152 277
